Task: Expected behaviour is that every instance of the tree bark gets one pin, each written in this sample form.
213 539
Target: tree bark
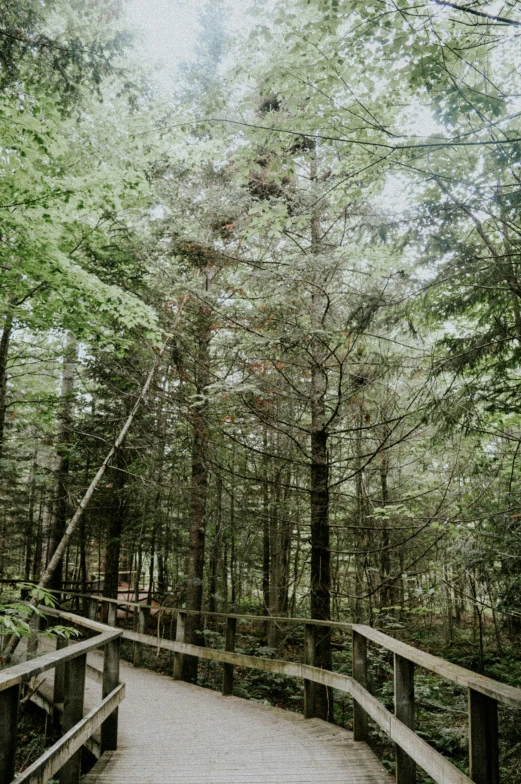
199 489
4 354
61 472
320 594
114 530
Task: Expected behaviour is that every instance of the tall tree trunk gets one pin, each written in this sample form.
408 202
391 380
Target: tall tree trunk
29 528
199 487
4 354
60 508
116 514
265 526
385 556
274 560
320 595
216 552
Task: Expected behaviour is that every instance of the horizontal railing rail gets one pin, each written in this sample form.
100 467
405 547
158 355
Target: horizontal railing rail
70 670
508 695
484 693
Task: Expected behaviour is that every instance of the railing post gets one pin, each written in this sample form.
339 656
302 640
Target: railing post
93 609
59 679
229 645
404 711
138 648
9 699
179 637
360 725
112 613
483 739
309 658
73 713
109 728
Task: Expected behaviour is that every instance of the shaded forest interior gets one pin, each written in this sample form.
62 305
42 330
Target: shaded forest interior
310 242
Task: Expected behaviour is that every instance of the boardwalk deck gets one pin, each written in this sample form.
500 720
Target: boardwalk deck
172 732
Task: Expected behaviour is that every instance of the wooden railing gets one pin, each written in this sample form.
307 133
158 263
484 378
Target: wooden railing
70 670
484 693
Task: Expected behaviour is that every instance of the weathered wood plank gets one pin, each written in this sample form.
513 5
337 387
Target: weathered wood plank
54 758
73 713
309 658
26 670
173 732
109 728
9 699
360 724
404 710
509 695
483 739
229 644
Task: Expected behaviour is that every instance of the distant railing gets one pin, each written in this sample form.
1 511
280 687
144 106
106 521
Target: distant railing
70 665
484 693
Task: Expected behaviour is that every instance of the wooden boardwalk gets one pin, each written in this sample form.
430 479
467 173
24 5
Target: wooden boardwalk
172 732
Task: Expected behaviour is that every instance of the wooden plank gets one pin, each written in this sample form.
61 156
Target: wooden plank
78 620
179 636
9 699
26 670
172 732
360 725
508 695
138 649
231 628
483 739
54 758
404 711
72 714
309 658
109 728
59 673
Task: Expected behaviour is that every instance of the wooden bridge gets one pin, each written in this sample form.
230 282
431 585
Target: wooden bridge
170 732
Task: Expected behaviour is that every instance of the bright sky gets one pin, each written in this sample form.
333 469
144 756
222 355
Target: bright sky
167 29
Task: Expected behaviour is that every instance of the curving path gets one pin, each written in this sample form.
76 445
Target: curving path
172 732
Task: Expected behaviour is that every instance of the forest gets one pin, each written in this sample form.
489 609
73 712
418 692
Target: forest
260 328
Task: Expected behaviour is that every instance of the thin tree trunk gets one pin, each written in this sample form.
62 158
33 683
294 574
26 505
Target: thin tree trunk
320 594
116 515
61 496
265 526
4 354
199 488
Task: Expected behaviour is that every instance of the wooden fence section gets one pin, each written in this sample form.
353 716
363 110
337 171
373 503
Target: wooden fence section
70 670
484 693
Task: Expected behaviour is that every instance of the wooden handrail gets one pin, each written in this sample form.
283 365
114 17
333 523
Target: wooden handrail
64 756
20 673
508 695
483 693
502 692
54 758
